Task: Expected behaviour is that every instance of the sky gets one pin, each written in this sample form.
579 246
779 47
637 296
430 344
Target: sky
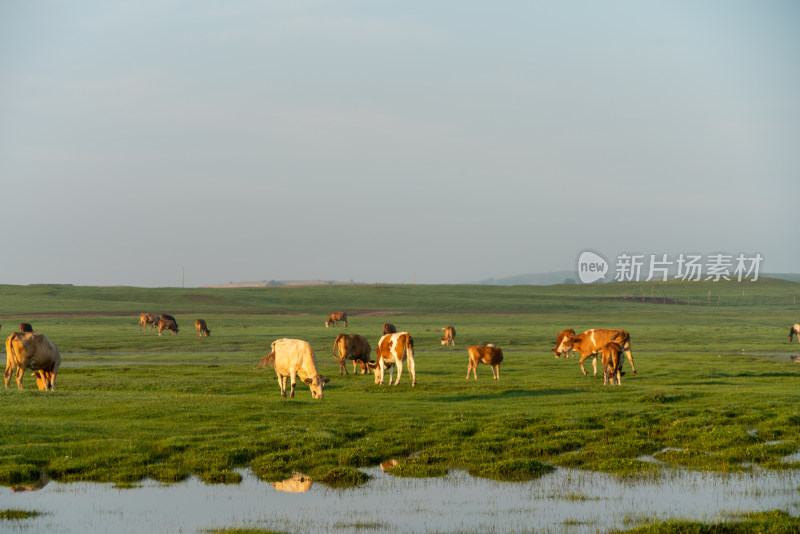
166 142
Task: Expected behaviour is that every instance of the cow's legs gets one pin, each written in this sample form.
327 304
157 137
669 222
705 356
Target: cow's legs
282 385
469 368
293 376
583 358
382 367
496 372
629 354
20 374
7 374
399 364
412 368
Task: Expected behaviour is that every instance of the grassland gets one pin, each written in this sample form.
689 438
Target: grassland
715 391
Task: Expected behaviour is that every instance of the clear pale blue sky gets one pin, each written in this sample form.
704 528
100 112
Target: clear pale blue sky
375 141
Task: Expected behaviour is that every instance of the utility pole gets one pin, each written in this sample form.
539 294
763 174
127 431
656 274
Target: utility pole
182 278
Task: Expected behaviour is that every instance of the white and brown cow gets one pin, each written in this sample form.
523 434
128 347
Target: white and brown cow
292 358
591 343
201 327
352 347
335 318
611 354
148 319
559 338
34 351
166 323
794 331
449 335
393 349
488 354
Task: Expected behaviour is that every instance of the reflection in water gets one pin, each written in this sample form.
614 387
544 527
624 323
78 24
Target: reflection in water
299 483
388 464
563 501
39 485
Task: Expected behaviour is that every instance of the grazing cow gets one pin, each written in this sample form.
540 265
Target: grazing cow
449 335
560 338
611 363
292 358
167 324
201 327
335 317
591 342
25 327
392 349
34 351
146 319
794 331
488 354
388 328
352 347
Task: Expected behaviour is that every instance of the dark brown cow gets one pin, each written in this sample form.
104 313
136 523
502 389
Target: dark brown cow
25 327
146 319
611 363
352 347
167 324
389 328
335 317
560 338
449 335
201 327
393 349
488 354
794 331
34 351
591 343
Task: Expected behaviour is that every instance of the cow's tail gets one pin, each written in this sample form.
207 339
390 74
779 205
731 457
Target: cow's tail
11 352
268 359
336 349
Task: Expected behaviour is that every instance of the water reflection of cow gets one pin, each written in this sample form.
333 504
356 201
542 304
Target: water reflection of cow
43 481
299 483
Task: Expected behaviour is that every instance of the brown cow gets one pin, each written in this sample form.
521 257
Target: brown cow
611 363
167 324
794 331
25 327
488 354
388 328
560 338
201 328
352 347
34 351
292 358
449 335
148 319
392 349
591 342
335 317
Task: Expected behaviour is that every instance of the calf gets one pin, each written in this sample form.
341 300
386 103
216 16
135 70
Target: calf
167 324
335 318
34 351
393 349
560 338
611 363
201 327
488 354
292 358
352 347
591 342
449 335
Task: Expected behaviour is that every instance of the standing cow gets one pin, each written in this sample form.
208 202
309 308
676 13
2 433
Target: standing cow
146 319
449 335
591 343
34 351
393 349
201 327
165 323
292 358
352 347
335 318
611 363
488 354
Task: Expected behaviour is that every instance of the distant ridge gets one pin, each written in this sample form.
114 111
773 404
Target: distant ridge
539 279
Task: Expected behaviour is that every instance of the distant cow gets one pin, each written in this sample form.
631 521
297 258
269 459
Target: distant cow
611 363
392 349
34 351
352 347
167 324
488 354
25 327
201 328
591 343
292 358
389 328
794 331
449 335
560 338
335 317
146 319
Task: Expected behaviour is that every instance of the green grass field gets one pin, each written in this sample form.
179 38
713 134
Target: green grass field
716 389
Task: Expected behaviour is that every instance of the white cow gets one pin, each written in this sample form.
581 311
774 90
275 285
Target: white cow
34 351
